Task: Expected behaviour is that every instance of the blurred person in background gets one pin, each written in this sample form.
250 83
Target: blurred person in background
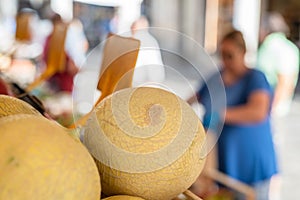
149 66
76 42
278 58
75 47
245 147
60 81
64 50
31 31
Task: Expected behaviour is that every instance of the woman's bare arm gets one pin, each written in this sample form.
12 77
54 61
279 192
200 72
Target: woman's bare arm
255 110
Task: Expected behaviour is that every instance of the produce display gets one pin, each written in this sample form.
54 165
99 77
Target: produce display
57 143
40 160
146 142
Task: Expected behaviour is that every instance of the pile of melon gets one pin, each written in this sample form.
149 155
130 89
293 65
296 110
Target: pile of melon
144 143
40 160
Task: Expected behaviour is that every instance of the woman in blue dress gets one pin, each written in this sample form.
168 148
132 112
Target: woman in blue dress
245 146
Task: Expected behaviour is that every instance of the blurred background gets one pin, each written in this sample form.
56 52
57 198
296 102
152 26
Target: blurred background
203 21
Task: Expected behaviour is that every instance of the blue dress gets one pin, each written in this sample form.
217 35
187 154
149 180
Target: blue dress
245 152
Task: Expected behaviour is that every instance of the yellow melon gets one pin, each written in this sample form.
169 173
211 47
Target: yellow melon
11 105
39 160
147 143
123 197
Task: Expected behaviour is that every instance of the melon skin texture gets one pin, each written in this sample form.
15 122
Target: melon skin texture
146 142
39 160
14 106
11 106
123 197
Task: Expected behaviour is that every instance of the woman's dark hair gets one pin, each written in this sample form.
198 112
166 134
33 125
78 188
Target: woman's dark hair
237 38
56 18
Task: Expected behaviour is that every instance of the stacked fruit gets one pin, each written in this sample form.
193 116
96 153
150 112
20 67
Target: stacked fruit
143 142
39 159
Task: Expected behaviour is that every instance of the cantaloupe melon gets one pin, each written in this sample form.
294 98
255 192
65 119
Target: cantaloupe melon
123 197
11 105
39 160
147 143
